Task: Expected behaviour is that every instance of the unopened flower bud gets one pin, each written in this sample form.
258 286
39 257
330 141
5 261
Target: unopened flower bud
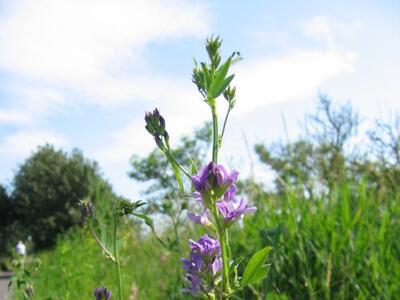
86 208
212 46
126 207
102 293
230 96
155 125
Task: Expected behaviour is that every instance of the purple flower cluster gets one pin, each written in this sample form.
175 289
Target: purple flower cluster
212 182
102 293
215 186
204 264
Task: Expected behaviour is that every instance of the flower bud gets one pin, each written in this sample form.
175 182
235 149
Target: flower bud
230 96
212 46
125 207
102 293
155 125
86 208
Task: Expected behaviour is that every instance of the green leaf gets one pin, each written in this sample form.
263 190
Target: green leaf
193 171
206 76
256 269
224 85
219 79
178 176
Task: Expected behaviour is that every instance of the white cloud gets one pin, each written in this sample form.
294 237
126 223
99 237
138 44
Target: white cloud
77 40
13 116
20 144
293 76
86 48
323 27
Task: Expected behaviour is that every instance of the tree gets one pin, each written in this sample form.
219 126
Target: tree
321 157
10 232
47 188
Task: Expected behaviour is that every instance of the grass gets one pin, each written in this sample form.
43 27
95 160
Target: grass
343 246
76 266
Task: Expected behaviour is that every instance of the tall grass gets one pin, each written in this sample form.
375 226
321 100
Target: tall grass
76 266
342 246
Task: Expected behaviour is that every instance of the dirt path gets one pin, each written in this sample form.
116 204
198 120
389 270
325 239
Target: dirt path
5 294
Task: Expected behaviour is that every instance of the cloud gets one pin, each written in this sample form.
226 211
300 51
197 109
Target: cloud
13 116
267 80
20 144
323 27
77 40
88 49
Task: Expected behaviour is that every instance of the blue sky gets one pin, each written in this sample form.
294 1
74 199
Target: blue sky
81 73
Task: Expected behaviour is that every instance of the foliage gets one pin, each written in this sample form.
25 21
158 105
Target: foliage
342 246
10 232
327 154
22 278
76 265
47 188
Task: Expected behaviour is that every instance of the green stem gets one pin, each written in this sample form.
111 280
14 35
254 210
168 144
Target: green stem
225 121
222 232
108 254
225 261
215 133
117 262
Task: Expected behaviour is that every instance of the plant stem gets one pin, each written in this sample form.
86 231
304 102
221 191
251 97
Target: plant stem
117 263
108 254
222 232
225 261
215 133
225 121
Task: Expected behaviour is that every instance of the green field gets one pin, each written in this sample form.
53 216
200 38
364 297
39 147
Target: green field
343 246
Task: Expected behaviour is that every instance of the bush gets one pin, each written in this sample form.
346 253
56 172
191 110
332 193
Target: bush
47 188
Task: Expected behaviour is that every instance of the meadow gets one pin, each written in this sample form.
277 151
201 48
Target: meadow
344 246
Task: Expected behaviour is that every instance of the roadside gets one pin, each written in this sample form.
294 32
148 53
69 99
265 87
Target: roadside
5 294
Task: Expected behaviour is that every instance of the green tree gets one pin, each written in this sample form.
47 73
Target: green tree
47 188
10 232
320 159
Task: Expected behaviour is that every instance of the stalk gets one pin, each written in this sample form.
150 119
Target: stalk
117 263
215 133
223 239
222 233
225 121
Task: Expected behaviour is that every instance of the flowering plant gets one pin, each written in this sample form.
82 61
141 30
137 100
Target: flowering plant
211 270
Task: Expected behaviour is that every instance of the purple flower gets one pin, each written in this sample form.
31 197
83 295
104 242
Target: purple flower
102 293
200 219
205 246
203 265
234 208
213 181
